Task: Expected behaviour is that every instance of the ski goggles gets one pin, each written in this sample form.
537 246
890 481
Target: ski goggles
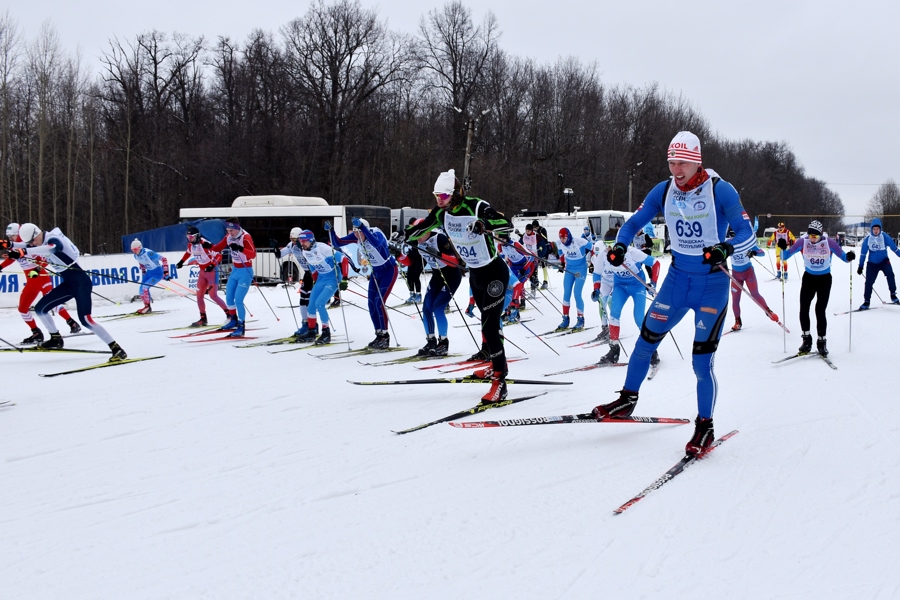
813 237
441 197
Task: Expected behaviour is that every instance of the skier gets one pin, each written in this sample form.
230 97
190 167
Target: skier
530 242
629 283
200 252
603 278
588 235
470 223
154 268
414 271
384 273
37 281
446 275
782 233
523 265
241 277
59 251
573 257
643 241
544 249
878 244
817 249
698 208
743 272
306 283
320 258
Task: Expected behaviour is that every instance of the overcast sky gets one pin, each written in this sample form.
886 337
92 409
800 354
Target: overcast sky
820 75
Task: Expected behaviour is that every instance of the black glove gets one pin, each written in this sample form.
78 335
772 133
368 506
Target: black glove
561 268
14 253
343 284
167 277
206 245
851 256
209 268
179 264
236 247
476 227
616 254
590 267
718 254
859 270
782 243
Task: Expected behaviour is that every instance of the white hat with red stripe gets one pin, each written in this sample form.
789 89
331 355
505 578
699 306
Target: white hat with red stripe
685 147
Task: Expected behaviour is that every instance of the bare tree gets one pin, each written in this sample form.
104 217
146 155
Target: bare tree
885 204
10 48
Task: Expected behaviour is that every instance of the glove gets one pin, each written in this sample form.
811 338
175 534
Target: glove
782 243
343 284
179 264
653 284
236 247
209 268
590 267
718 254
851 256
476 227
206 245
595 295
34 273
326 225
561 268
616 254
14 253
167 277
859 270
356 222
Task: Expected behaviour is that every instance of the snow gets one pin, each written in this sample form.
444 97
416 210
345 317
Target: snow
219 472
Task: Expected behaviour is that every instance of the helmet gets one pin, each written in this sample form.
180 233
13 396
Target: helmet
306 236
781 226
12 230
28 232
295 233
136 245
565 233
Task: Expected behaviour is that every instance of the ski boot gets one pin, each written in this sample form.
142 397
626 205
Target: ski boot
603 336
418 298
442 348
237 332
772 316
806 346
737 324
335 303
325 338
201 322
144 310
565 323
483 354
611 357
54 343
522 303
778 276
785 275
411 299
307 336
470 311
617 409
74 327
579 323
512 316
894 299
864 306
118 354
821 346
231 324
36 337
382 340
545 285
429 347
654 360
703 437
304 329
497 393
485 373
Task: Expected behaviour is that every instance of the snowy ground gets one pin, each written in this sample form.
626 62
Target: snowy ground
219 472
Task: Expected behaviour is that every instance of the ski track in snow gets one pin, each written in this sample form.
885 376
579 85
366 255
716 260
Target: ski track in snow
233 473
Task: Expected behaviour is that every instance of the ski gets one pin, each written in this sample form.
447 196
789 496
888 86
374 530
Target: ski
286 340
468 361
734 331
478 408
464 379
680 466
405 360
310 346
134 314
100 366
590 367
359 352
791 357
856 310
520 321
199 329
210 332
570 332
827 361
482 365
565 420
39 349
6 403
224 338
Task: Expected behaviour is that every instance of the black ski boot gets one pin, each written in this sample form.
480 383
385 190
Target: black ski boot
54 343
325 338
483 354
36 337
821 346
603 336
382 340
74 327
442 348
429 347
201 322
703 436
117 353
611 357
623 407
654 360
806 346
309 336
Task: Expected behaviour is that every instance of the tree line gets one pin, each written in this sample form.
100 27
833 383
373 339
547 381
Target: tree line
337 105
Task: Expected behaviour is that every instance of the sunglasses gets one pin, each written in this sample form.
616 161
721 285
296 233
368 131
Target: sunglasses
442 197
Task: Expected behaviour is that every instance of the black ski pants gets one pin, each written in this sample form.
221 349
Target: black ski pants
818 287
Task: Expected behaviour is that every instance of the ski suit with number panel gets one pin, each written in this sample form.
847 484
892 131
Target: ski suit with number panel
877 246
445 279
603 278
306 283
241 277
573 255
154 268
207 261
320 258
384 270
37 281
816 281
629 283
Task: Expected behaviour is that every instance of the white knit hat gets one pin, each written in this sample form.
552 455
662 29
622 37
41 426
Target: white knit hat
684 146
446 182
136 245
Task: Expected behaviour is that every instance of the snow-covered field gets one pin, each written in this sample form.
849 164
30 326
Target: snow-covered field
219 472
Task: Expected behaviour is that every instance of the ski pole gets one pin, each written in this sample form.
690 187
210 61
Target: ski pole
653 292
538 337
381 297
783 335
353 281
286 293
763 266
850 336
343 312
558 301
758 303
258 289
13 346
458 310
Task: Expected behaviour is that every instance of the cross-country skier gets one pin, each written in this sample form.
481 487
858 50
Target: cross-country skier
470 224
523 265
743 273
62 254
817 249
878 244
629 283
320 257
438 253
384 273
154 267
782 233
241 277
603 277
544 250
200 252
530 242
573 257
588 235
306 283
37 281
414 270
698 208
